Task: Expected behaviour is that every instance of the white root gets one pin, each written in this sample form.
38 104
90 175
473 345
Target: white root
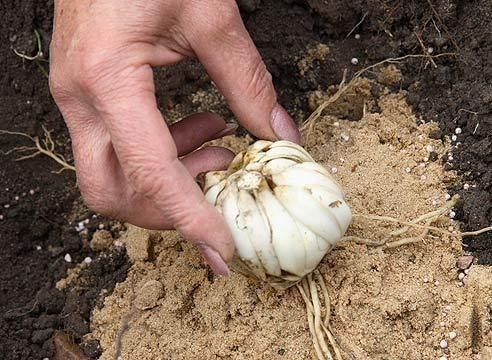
391 240
324 342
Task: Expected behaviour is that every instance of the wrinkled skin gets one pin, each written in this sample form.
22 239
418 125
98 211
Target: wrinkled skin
130 164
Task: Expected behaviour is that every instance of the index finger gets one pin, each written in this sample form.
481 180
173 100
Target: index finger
224 47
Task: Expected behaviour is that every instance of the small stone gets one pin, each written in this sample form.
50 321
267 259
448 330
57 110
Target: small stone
443 358
429 148
86 221
452 335
80 226
336 124
118 243
67 258
454 137
88 260
408 170
16 198
6 206
452 214
101 226
425 280
430 50
461 276
354 61
466 186
450 228
436 283
447 197
345 137
334 170
357 36
466 271
101 240
31 192
423 177
442 324
1 217
443 344
457 131
464 262
38 247
149 295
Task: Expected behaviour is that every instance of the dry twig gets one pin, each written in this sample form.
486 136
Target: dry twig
358 24
39 54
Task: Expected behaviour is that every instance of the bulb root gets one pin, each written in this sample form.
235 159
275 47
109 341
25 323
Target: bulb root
324 342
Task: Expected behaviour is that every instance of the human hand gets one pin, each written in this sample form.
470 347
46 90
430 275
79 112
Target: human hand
130 165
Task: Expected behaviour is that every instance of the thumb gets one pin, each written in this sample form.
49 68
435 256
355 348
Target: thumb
230 57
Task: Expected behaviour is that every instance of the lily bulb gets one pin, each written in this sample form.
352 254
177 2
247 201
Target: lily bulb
284 210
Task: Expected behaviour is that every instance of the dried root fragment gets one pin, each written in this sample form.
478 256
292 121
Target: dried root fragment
42 146
393 240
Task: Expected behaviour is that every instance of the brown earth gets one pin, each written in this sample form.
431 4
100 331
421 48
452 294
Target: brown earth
456 92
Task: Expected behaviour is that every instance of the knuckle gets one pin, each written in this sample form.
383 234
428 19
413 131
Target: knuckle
86 75
58 87
222 15
259 86
93 68
192 221
96 201
144 179
89 75
96 195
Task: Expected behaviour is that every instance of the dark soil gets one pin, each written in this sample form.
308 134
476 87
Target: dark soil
455 93
37 206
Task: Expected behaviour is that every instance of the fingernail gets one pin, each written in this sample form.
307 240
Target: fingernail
228 130
283 126
215 261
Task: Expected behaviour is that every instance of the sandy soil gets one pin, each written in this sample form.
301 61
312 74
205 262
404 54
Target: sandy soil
405 302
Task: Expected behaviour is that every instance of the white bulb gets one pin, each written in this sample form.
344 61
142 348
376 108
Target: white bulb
284 210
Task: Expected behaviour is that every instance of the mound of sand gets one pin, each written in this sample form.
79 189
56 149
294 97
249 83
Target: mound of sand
386 303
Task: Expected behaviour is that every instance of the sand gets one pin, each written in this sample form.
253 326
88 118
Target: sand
398 303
